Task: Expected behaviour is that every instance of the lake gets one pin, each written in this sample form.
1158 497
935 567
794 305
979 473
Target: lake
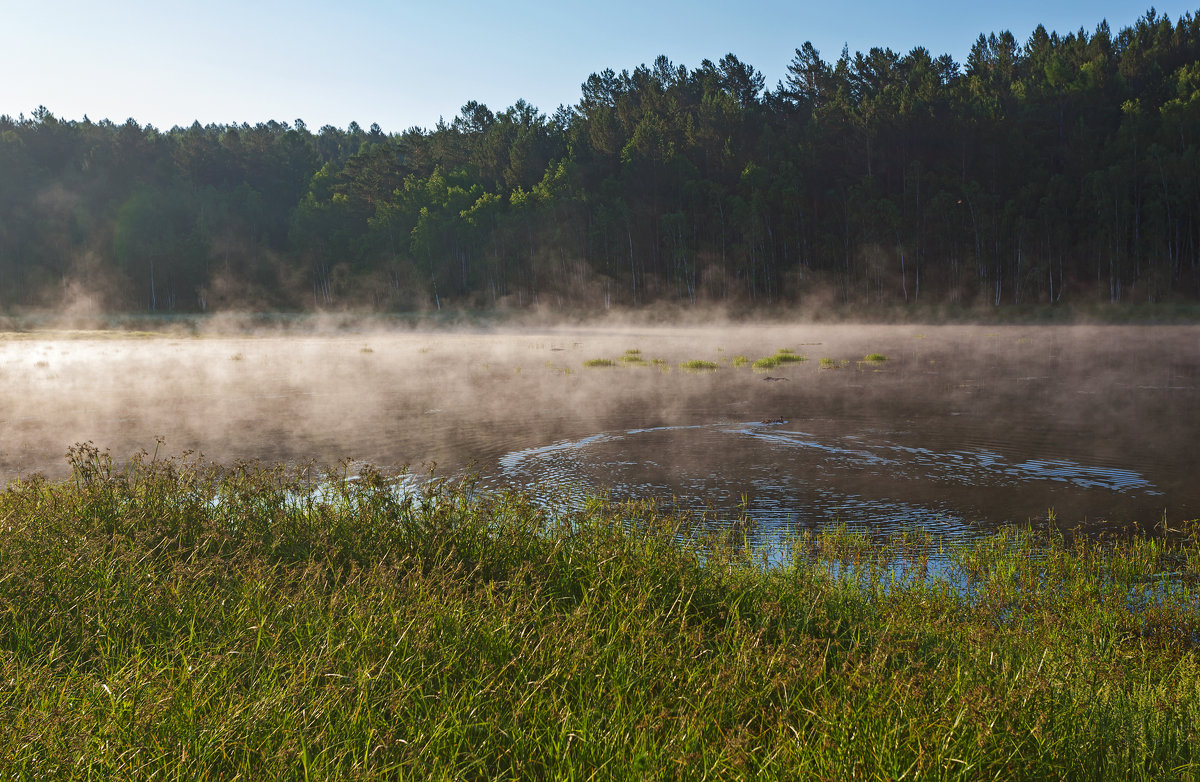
961 428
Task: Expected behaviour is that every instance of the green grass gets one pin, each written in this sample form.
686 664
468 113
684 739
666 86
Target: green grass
699 365
782 356
875 358
740 361
175 620
633 358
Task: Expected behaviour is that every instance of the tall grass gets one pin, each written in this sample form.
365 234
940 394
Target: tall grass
177 620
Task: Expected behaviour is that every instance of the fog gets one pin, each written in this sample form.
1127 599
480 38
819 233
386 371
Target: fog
962 427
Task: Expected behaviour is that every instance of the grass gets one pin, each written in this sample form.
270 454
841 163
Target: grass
699 365
789 356
833 363
782 356
633 358
770 362
875 358
177 620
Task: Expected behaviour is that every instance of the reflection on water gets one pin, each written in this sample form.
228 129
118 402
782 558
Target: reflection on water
786 478
961 429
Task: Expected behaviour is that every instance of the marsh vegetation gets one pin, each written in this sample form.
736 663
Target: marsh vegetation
781 357
178 620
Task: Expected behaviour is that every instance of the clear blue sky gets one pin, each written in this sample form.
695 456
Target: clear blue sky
407 63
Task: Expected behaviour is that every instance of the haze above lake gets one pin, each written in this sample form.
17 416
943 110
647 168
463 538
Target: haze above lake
960 429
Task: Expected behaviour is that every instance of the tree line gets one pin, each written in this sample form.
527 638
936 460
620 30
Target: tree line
1061 168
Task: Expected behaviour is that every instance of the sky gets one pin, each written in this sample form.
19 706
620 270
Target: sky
406 64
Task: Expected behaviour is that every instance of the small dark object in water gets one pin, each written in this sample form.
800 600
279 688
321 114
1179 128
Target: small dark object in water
773 420
775 378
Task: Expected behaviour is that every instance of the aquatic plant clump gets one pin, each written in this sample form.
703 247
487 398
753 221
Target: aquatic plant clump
633 358
788 357
595 363
176 619
875 358
699 365
782 356
770 362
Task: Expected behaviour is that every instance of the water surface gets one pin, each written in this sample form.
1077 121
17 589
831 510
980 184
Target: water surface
961 429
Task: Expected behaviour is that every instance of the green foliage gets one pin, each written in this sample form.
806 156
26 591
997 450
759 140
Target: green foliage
699 365
1057 169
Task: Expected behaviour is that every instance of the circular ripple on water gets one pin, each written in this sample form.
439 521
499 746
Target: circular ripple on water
783 477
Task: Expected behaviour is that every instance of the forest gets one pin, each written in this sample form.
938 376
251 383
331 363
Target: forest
1064 168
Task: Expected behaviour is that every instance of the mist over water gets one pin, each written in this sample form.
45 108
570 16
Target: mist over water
961 429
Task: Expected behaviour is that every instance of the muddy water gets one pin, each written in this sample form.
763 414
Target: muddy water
962 428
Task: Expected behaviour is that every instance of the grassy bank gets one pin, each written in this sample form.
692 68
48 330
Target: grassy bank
175 620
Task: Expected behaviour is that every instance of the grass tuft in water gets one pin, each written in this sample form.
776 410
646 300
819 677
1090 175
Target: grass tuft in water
875 358
633 358
789 356
699 365
782 356
175 620
594 363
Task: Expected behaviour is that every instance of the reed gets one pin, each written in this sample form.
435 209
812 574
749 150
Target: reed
179 620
